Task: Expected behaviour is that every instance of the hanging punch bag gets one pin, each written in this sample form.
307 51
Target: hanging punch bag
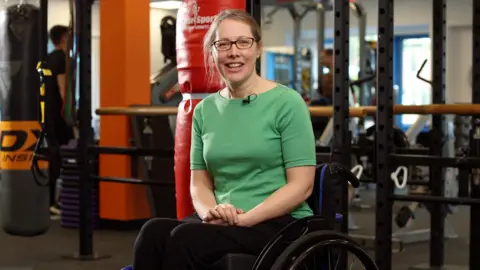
193 21
24 205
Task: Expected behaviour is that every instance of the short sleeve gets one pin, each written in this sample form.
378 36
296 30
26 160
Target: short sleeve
295 128
197 161
60 64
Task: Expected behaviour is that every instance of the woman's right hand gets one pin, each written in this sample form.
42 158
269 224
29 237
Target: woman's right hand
223 214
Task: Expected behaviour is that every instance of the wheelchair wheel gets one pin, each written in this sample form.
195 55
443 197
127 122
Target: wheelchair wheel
323 250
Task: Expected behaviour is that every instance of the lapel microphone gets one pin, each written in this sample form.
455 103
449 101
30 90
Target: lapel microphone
249 99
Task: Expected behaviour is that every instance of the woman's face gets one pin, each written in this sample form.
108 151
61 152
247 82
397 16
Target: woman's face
235 51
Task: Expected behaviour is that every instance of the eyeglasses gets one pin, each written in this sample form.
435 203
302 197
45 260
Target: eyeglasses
242 44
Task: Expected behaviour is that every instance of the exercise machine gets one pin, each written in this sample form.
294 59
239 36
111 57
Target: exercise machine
298 10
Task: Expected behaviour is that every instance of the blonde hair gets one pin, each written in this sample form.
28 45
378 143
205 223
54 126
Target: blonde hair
211 35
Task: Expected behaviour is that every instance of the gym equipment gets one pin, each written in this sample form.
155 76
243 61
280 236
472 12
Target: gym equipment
69 111
46 148
154 133
417 127
70 192
324 111
436 160
405 217
23 204
193 20
168 30
305 65
298 10
4 55
462 132
164 84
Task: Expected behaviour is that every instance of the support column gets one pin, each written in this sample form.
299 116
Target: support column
384 132
125 70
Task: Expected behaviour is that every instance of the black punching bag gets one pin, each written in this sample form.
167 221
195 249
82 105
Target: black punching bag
168 29
24 205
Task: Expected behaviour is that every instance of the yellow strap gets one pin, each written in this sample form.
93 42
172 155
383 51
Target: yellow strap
42 90
47 72
42 108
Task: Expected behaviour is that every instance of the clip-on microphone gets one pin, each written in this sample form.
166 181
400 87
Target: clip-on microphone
249 99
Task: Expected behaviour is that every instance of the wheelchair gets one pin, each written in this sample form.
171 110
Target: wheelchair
305 241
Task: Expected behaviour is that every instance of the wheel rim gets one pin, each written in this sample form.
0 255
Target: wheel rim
318 243
366 262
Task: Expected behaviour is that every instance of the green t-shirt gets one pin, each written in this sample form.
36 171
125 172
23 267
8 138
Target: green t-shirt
246 147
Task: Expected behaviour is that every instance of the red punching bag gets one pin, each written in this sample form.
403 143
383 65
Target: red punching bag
193 21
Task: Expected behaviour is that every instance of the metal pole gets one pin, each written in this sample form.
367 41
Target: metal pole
474 260
83 18
341 137
85 132
362 32
437 214
297 28
43 46
320 41
341 134
384 131
255 9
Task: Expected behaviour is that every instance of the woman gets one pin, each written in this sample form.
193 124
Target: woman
252 160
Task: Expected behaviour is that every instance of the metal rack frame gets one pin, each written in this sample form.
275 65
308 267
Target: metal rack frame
340 151
86 136
437 187
384 129
474 261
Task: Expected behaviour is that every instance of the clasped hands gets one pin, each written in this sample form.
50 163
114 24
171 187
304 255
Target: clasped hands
226 215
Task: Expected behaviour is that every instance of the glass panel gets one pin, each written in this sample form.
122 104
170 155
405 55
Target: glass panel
415 91
282 71
354 46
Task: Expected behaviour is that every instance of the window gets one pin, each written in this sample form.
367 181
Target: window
280 68
95 84
410 54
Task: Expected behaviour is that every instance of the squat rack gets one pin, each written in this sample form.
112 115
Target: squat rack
385 159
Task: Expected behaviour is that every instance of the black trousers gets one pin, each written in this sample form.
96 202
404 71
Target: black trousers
169 244
63 134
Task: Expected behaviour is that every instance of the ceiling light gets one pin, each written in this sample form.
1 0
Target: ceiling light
172 4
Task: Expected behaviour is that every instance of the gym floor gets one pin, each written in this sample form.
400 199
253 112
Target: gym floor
45 252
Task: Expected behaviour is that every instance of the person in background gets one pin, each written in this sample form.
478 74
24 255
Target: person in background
57 61
325 89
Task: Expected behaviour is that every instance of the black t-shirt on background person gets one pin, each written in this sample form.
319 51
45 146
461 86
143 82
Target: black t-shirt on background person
57 62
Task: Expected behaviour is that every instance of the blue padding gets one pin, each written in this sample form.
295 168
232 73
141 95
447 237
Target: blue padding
320 196
338 217
128 268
